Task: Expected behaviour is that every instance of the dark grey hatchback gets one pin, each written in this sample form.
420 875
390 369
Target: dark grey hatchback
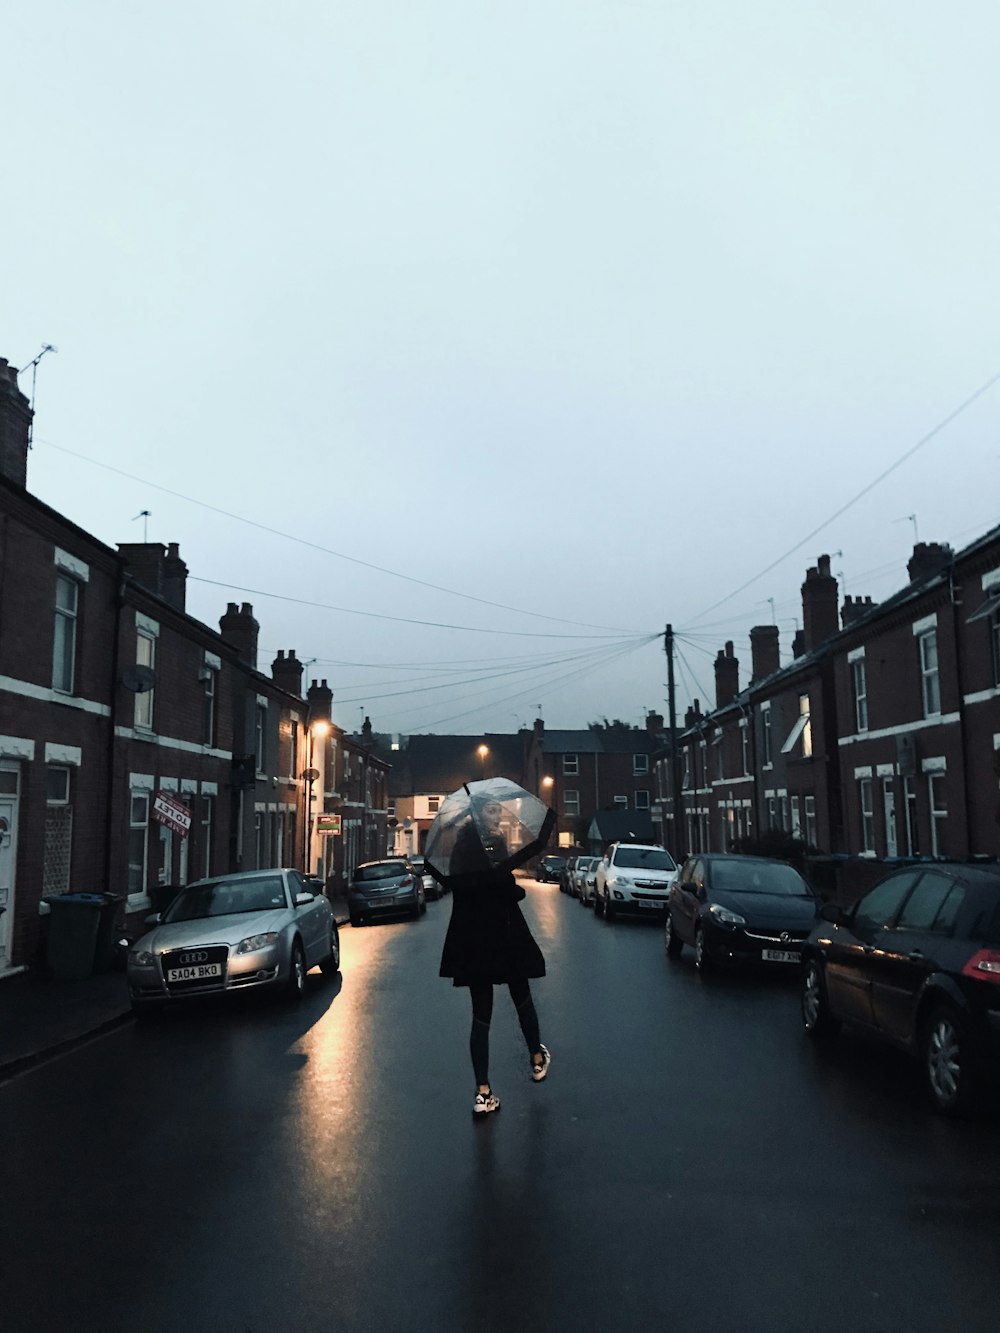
384 888
917 963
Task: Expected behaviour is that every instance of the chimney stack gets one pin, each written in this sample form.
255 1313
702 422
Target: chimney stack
158 568
539 727
654 722
286 672
15 427
855 608
765 656
692 715
819 605
320 699
240 630
799 643
928 559
727 676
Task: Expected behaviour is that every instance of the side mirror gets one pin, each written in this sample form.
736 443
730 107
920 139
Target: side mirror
153 919
833 913
301 899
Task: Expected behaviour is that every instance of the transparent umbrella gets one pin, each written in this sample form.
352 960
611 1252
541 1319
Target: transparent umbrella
489 825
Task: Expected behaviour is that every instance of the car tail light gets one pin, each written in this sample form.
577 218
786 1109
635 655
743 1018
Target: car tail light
984 965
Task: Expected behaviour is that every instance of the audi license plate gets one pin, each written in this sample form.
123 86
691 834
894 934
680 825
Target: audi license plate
779 956
195 973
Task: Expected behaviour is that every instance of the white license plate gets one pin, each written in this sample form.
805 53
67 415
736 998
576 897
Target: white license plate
779 956
650 902
195 973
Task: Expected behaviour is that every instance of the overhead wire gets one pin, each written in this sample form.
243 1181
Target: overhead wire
865 490
325 550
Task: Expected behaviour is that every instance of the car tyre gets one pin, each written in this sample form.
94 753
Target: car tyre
946 1060
357 919
330 965
610 910
702 956
296 983
598 904
817 1020
672 942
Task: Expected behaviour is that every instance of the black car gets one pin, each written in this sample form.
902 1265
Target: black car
550 869
916 962
384 888
735 909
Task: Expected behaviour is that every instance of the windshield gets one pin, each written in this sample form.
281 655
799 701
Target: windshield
380 870
227 898
644 858
746 877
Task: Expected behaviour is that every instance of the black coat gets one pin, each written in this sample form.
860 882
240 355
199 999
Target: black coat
488 939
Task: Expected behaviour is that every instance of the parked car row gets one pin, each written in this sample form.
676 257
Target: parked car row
914 963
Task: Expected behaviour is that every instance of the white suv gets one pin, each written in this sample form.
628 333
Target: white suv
634 877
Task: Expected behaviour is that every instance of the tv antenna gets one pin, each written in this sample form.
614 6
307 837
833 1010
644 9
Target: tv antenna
46 347
144 514
910 518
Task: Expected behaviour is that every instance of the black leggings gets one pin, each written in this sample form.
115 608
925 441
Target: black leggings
482 1013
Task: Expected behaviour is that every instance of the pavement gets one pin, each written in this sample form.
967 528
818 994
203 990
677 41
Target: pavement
41 1017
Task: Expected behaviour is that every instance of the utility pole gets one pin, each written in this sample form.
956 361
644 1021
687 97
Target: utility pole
675 784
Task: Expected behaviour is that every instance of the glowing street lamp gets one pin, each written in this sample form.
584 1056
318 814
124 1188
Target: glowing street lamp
310 775
483 752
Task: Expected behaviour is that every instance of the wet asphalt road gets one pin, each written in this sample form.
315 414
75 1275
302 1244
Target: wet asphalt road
690 1164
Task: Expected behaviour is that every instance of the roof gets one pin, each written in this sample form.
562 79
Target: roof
614 740
622 825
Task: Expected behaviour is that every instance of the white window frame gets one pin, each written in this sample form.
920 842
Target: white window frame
937 800
930 673
145 655
866 810
64 637
810 820
571 765
642 799
859 683
571 802
765 718
141 796
640 765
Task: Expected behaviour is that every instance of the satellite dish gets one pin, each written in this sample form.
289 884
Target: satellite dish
311 774
139 679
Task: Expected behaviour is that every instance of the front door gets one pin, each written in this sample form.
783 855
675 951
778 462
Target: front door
8 858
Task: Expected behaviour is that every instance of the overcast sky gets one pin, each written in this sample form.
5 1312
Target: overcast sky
591 311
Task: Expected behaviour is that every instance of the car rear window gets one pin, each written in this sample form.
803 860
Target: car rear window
644 858
985 922
382 870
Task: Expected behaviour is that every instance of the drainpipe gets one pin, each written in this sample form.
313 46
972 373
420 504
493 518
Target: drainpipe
109 804
963 730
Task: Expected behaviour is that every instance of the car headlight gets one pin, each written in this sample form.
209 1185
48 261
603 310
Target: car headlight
142 957
727 918
254 942
621 881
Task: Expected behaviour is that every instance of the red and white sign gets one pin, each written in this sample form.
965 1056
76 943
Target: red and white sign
168 810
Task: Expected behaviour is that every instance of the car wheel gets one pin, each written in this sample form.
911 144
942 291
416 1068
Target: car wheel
947 1066
702 957
598 904
610 910
297 973
357 919
672 942
819 1023
330 966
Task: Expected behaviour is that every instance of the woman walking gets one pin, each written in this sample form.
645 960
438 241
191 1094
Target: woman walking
489 944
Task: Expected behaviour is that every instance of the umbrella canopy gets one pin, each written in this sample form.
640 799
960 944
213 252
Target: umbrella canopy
488 825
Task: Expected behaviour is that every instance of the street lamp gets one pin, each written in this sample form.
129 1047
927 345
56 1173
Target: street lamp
310 775
483 752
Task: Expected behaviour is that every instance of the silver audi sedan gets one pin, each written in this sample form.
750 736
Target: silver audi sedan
234 932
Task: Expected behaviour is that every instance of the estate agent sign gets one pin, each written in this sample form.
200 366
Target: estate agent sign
168 810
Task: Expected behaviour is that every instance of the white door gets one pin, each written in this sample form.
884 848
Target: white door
8 860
